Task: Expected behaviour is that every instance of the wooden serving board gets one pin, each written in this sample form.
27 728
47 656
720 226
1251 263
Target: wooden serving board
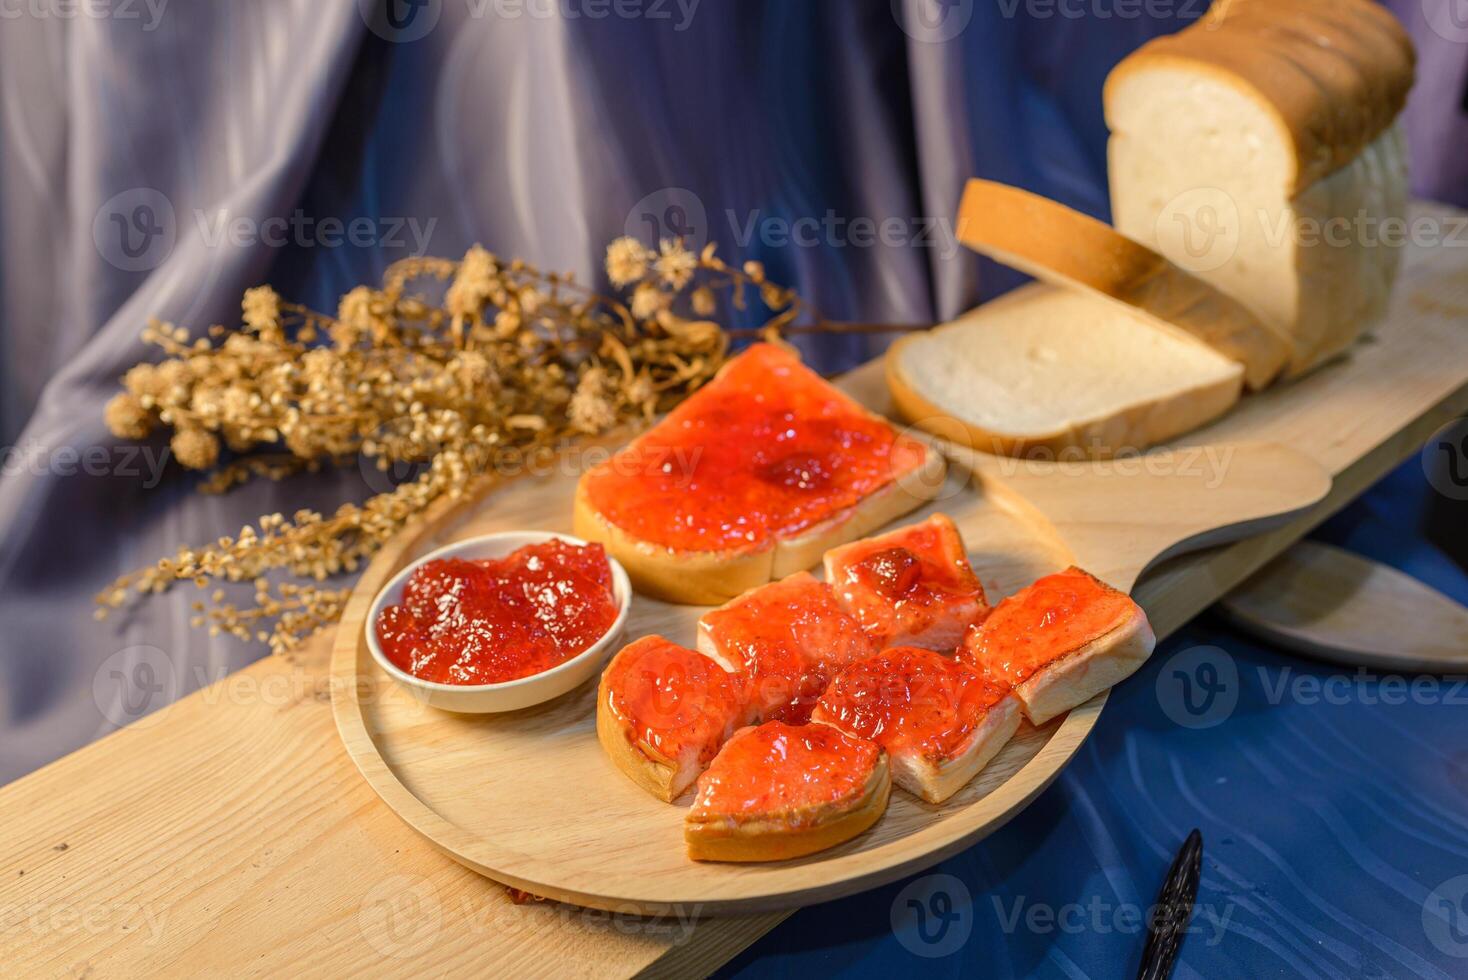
1330 604
530 799
230 832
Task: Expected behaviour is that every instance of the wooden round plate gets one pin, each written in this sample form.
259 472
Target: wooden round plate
528 798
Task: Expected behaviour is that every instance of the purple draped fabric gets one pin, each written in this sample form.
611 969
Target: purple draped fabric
145 150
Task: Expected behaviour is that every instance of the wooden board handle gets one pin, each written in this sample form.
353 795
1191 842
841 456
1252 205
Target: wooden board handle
1121 516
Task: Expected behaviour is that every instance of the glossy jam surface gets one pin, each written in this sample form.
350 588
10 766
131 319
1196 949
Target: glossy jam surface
1055 616
778 769
673 699
907 699
911 585
787 639
495 620
765 450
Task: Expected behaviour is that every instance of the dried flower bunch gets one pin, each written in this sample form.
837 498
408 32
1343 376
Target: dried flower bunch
512 362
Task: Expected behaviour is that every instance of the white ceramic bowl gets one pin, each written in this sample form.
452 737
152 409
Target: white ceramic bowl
509 695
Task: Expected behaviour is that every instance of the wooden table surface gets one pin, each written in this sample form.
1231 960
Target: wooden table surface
229 833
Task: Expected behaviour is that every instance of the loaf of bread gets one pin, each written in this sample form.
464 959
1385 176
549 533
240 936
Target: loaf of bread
1258 148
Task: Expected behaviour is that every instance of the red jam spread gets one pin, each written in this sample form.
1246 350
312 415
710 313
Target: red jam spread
673 700
911 586
787 639
783 769
484 622
1038 625
763 451
907 699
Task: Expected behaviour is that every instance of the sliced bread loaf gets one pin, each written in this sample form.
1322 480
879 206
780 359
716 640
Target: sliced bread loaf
1258 148
1044 370
1062 246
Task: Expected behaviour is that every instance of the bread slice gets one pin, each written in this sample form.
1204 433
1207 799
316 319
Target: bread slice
752 477
939 721
783 641
1259 148
910 587
1066 248
662 713
1060 642
1044 371
783 791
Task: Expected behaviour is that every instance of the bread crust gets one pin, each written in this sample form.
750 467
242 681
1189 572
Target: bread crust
640 763
1128 429
1052 242
1074 679
934 780
709 578
784 836
695 578
1334 74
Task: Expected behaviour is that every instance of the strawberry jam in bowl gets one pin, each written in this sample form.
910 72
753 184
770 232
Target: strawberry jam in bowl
500 622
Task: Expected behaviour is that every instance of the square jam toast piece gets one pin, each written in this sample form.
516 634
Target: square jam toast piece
910 587
939 720
1060 642
785 640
